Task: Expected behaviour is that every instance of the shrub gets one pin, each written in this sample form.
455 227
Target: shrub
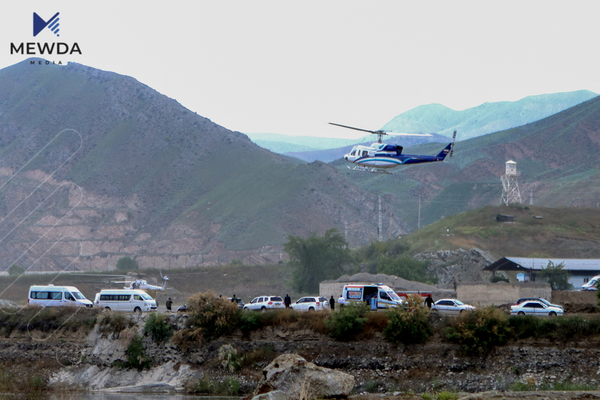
136 358
479 331
229 359
15 270
114 322
159 327
249 321
524 326
127 264
408 327
348 323
227 387
210 317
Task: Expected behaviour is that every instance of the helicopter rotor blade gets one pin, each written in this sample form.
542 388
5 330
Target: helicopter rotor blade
382 132
358 129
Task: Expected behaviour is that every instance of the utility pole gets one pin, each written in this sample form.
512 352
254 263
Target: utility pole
390 229
419 217
379 222
530 197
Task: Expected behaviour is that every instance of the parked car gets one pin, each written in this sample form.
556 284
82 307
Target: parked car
451 307
263 303
239 302
311 304
591 284
535 307
546 302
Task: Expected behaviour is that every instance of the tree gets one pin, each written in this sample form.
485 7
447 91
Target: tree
127 264
317 258
15 270
556 276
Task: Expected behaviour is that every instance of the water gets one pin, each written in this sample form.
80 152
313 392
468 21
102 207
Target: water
138 396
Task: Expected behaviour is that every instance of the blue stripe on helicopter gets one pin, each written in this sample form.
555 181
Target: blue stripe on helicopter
387 160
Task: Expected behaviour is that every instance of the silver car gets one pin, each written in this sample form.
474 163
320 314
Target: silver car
537 308
451 307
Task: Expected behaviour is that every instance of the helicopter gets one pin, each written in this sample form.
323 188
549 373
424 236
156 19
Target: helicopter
379 157
144 285
138 283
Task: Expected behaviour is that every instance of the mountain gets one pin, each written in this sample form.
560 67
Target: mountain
282 144
436 119
95 166
486 118
558 164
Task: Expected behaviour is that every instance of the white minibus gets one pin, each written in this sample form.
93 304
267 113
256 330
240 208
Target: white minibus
55 296
125 300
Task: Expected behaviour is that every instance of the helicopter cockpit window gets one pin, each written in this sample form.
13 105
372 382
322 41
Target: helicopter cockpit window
365 153
353 151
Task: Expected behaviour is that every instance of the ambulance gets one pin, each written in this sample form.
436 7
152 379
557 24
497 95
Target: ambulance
376 295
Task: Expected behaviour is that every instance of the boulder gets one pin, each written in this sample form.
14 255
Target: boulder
300 379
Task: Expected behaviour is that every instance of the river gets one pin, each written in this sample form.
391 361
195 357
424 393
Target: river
138 396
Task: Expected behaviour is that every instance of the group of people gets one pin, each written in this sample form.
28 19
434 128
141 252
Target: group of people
341 301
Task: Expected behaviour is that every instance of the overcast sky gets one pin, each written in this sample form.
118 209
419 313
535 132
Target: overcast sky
291 67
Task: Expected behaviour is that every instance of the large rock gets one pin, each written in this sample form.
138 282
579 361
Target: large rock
300 379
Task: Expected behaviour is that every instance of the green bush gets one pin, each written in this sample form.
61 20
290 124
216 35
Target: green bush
136 357
127 264
558 329
15 270
479 331
250 321
348 323
159 327
227 387
408 327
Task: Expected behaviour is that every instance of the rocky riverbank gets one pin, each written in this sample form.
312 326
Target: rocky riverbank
87 362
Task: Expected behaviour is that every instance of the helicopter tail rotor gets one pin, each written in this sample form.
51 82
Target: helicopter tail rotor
452 147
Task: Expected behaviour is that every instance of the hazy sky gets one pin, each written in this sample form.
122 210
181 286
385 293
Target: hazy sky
291 67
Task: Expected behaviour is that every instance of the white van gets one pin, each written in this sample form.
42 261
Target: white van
125 300
56 296
384 296
591 284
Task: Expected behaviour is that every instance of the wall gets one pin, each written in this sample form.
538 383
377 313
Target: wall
501 292
574 297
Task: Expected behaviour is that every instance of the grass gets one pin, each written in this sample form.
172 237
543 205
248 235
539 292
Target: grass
552 235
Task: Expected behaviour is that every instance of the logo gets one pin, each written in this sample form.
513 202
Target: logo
39 24
45 48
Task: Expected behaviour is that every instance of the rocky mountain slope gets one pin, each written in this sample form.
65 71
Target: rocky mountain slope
95 166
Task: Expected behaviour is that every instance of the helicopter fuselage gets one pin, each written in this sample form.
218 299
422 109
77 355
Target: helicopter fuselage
384 156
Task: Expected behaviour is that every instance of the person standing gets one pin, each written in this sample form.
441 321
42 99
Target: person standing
332 303
287 301
341 302
428 301
169 303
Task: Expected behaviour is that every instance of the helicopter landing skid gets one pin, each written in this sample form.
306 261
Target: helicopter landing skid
371 169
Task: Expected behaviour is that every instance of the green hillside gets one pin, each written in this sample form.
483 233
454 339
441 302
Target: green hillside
536 232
